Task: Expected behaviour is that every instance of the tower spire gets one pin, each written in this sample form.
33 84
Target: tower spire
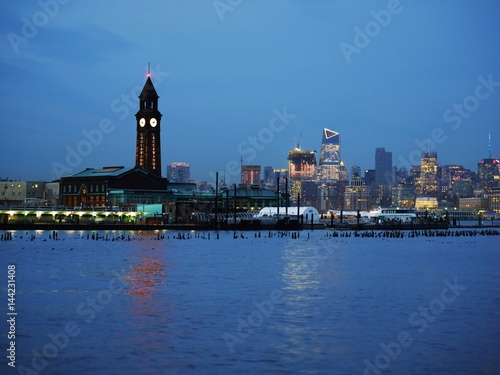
489 144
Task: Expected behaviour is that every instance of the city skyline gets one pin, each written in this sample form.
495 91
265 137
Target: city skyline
240 84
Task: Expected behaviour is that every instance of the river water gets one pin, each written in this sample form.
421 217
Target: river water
251 303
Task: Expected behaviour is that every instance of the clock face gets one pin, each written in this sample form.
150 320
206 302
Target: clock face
153 122
142 122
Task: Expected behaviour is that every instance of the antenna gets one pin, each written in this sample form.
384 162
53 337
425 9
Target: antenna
489 144
149 69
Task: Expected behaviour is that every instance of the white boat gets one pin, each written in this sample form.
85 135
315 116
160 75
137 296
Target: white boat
393 215
379 216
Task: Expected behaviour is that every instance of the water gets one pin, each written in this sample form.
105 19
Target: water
307 305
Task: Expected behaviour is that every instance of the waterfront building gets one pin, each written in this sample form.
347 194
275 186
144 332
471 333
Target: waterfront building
119 185
92 187
329 160
52 193
124 188
473 204
179 172
426 203
494 199
22 193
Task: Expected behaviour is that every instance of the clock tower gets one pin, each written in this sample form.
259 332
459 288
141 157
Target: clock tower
148 149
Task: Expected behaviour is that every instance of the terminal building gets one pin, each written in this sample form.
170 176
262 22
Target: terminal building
120 188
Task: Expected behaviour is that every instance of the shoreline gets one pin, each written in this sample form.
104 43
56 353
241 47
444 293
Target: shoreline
190 227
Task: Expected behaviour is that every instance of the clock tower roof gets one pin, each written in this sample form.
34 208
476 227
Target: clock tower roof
148 92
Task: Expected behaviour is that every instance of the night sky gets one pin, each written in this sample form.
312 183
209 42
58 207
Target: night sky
242 79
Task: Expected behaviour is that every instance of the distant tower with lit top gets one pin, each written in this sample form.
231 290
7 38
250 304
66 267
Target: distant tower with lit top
148 146
329 159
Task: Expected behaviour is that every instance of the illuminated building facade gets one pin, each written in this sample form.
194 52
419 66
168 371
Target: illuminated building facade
148 149
462 187
250 175
301 168
329 159
179 172
403 195
427 182
356 195
494 199
488 173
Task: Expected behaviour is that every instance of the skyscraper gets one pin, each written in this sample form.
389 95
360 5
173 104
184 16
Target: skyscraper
179 172
250 174
383 167
148 148
488 172
427 183
384 179
301 169
268 175
355 170
329 159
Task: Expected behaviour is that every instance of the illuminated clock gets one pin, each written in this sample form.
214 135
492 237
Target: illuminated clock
153 122
142 122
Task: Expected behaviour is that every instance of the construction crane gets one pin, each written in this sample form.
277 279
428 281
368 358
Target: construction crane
297 143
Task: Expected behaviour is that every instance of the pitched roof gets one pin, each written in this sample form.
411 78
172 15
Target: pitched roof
148 91
104 172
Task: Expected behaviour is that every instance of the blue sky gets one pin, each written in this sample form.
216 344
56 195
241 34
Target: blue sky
243 78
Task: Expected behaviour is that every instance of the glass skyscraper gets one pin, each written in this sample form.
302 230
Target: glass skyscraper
383 167
329 159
